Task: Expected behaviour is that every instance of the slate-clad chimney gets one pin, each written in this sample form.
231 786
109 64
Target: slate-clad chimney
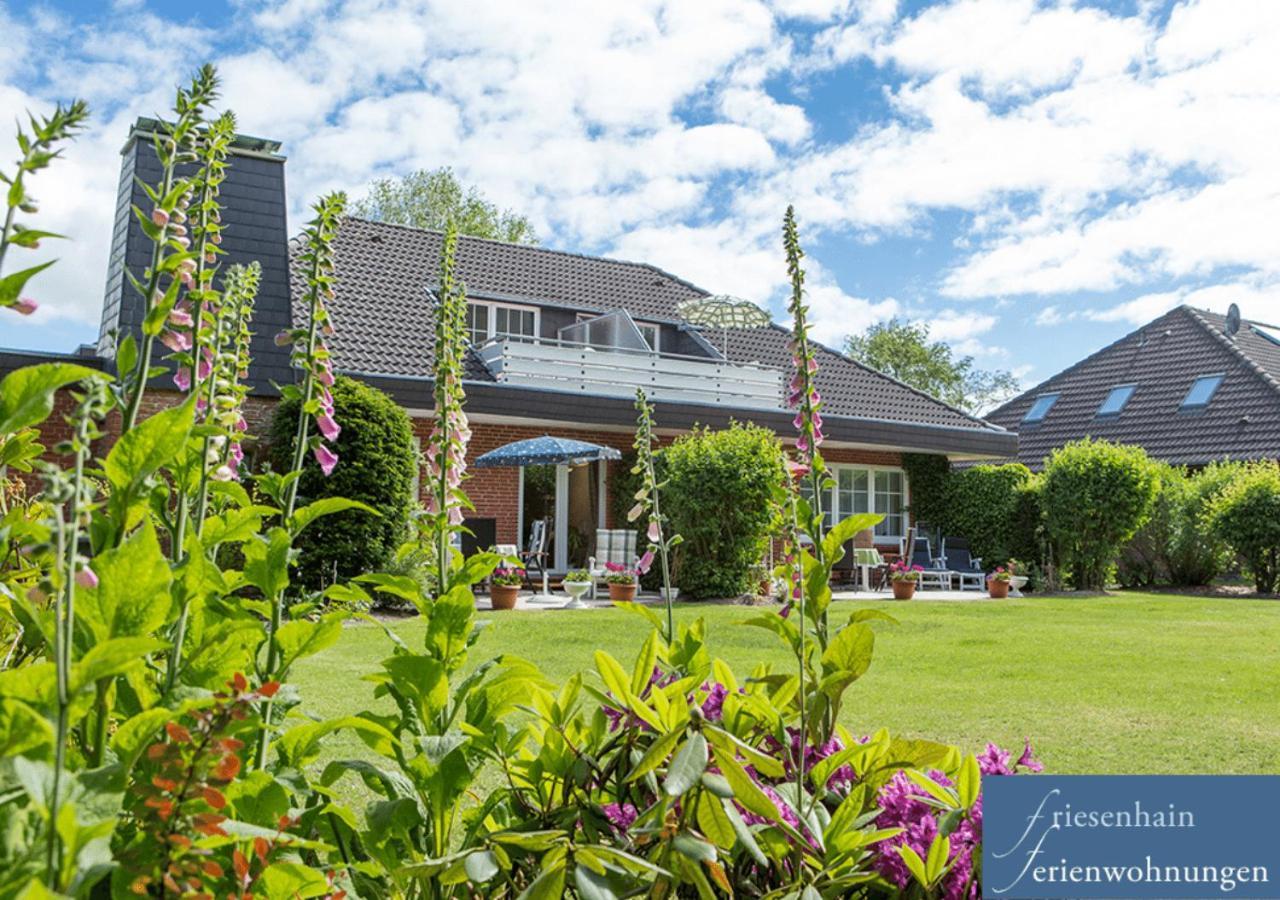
255 227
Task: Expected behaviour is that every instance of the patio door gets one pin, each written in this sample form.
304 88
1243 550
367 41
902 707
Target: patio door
573 498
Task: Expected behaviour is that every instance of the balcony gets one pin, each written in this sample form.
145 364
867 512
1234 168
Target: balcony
616 372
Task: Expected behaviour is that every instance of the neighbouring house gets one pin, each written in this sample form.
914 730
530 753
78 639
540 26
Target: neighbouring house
559 342
1190 387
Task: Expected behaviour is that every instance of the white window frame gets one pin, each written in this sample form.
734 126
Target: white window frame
1221 380
833 513
646 327
491 323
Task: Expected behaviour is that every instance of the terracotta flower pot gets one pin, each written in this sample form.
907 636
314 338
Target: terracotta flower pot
998 589
503 596
623 592
904 590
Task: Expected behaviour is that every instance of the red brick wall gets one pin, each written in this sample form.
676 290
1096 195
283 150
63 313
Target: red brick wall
494 492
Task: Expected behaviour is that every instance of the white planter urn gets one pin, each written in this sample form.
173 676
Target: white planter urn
576 591
1018 582
670 595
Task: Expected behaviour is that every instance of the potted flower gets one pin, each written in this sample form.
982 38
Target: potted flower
576 584
621 580
998 582
905 577
504 586
1019 580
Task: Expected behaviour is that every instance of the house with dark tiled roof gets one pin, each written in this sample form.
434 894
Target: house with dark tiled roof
1190 387
559 343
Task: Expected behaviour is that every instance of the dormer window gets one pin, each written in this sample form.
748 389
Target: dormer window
1040 408
1202 391
652 335
1116 400
486 321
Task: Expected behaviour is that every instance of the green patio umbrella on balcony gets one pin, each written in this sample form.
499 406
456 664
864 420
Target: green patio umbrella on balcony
724 312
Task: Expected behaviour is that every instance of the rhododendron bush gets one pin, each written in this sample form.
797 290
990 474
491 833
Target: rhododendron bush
151 735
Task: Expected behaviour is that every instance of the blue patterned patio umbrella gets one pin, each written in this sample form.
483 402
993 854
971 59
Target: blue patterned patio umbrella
545 451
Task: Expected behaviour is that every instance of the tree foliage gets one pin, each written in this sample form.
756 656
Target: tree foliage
377 467
982 505
903 350
1247 513
719 497
1179 544
433 198
1096 496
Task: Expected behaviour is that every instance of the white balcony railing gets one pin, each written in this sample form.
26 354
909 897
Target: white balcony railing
558 365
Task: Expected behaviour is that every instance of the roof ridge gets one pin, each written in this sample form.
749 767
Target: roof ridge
885 375
1198 317
1081 362
538 248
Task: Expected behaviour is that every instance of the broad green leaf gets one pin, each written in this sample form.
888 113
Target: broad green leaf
288 880
694 848
655 755
481 866
935 864
745 790
26 395
422 679
11 285
326 507
845 530
645 661
302 638
937 791
713 821
135 733
591 885
152 443
549 885
851 650
111 657
687 767
764 763
449 623
266 561
969 782
914 863
132 597
743 831
23 730
300 745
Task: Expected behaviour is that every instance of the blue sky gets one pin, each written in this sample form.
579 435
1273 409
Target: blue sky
1032 179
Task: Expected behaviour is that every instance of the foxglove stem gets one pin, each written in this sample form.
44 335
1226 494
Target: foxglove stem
189 106
321 232
644 450
451 432
67 529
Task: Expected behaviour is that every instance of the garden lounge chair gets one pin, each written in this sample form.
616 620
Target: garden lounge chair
534 555
967 569
935 573
613 545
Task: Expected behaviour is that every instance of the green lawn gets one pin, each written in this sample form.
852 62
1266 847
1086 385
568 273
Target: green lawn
1130 683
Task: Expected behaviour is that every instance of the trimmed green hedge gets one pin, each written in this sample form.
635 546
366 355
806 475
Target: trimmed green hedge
928 474
981 504
1096 496
376 464
719 495
1247 513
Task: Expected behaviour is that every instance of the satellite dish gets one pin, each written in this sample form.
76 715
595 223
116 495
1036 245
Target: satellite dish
1233 320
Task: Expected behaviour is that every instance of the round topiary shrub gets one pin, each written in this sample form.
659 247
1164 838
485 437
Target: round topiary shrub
376 466
1096 495
719 495
1247 513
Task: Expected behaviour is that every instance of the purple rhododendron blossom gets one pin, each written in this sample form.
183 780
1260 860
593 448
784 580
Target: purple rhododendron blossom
713 706
620 815
903 805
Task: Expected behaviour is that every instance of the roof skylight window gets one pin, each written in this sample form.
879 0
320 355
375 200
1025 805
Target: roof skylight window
1202 391
1116 400
1040 408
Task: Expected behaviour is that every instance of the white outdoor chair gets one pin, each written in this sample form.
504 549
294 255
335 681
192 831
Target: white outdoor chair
613 545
